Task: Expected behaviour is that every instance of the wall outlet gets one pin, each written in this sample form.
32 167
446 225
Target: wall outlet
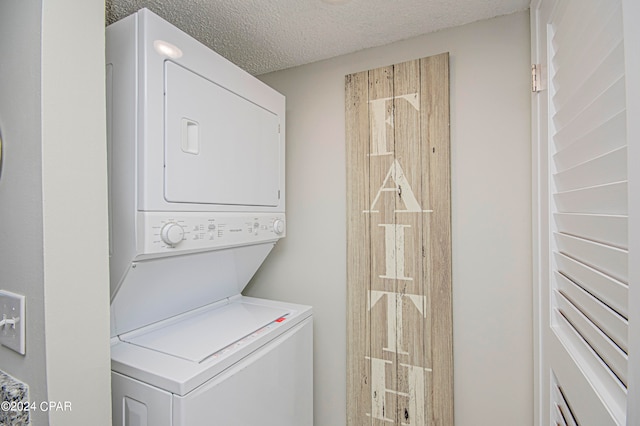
12 321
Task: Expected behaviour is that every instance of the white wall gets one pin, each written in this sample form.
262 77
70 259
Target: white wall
74 176
53 202
491 192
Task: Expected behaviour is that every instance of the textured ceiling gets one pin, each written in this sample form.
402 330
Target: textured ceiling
268 35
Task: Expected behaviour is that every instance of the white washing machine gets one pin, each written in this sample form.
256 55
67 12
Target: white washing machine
197 196
243 362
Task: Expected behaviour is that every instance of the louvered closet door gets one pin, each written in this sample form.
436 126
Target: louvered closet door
582 218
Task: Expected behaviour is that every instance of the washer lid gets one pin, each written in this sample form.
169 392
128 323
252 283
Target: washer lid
197 337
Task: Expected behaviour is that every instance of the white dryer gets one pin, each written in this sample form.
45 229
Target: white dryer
196 182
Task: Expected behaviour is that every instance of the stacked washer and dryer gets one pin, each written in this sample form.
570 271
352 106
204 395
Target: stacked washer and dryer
197 202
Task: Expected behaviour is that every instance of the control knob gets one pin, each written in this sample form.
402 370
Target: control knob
278 226
172 233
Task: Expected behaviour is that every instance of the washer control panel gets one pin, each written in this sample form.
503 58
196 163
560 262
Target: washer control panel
165 233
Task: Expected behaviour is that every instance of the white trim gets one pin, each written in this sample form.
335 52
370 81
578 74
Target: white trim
630 18
539 106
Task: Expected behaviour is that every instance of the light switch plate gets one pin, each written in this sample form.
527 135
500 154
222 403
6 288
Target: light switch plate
12 316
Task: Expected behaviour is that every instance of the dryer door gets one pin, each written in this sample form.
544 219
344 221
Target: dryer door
220 148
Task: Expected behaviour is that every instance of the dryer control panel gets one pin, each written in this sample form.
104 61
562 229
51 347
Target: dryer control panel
164 233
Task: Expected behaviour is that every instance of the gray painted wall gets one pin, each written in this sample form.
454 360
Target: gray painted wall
53 203
21 261
491 200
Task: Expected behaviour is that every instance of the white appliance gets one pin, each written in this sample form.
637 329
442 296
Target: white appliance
196 181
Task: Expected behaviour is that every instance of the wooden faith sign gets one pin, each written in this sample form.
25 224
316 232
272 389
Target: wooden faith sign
399 321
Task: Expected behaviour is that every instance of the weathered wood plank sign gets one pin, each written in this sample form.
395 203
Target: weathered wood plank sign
399 349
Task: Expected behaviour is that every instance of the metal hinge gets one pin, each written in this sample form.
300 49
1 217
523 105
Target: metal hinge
536 85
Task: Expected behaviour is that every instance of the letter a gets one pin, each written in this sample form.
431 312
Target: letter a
396 173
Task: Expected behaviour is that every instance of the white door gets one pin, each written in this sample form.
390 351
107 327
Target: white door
220 148
582 210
